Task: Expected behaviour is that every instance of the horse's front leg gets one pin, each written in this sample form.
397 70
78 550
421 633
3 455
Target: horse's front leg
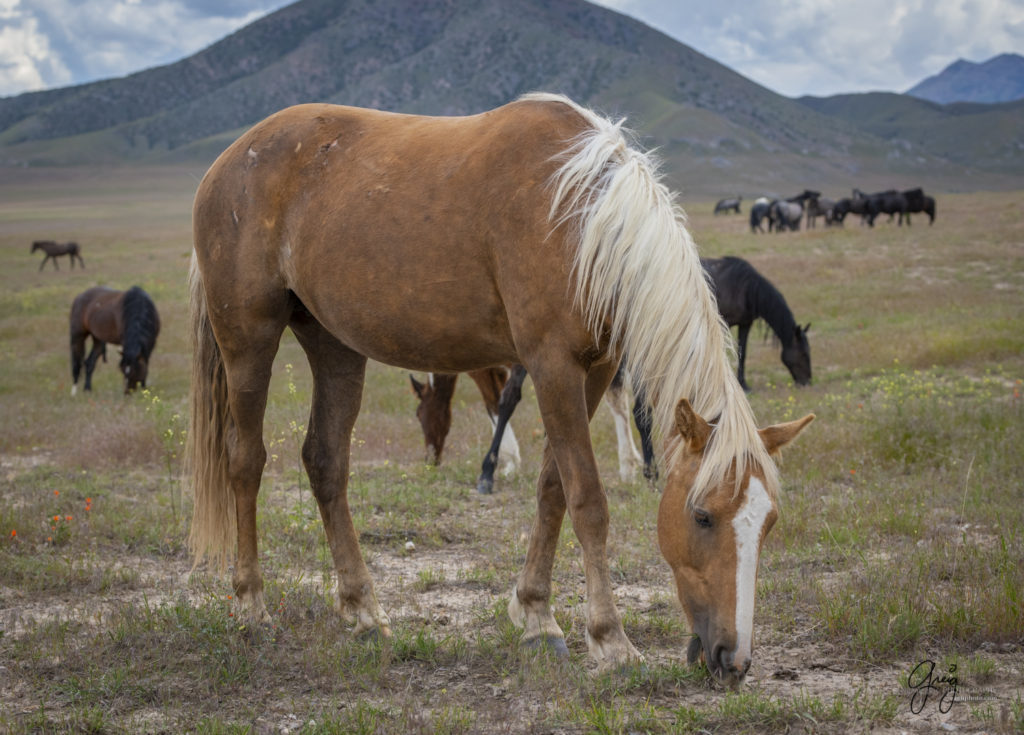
569 480
338 375
743 332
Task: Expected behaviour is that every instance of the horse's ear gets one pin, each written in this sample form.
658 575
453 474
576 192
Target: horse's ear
691 426
807 328
778 436
417 387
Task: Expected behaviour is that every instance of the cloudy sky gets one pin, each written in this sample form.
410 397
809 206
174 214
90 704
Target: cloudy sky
794 47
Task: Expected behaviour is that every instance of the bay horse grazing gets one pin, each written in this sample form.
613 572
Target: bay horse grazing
55 250
744 296
728 205
434 412
127 318
531 234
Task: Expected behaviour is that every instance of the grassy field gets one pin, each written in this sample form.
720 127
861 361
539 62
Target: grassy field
901 537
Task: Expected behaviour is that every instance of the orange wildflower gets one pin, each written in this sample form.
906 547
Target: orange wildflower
14 533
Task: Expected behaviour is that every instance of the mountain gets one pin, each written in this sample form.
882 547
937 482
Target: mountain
977 136
716 130
1000 79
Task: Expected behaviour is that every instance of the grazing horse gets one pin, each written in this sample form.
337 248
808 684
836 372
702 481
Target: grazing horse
55 250
728 205
434 412
531 234
126 318
744 296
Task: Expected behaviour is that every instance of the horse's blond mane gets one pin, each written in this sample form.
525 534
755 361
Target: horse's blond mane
637 269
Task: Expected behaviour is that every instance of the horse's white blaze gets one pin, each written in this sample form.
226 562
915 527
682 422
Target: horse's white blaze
748 525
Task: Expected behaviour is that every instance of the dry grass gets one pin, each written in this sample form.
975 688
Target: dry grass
900 537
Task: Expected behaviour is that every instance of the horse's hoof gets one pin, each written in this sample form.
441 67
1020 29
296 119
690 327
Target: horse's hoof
374 635
485 486
547 643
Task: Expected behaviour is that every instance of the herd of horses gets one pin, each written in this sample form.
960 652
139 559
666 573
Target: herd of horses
782 215
533 238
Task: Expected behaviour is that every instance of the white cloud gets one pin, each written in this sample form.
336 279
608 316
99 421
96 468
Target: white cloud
48 43
829 46
25 59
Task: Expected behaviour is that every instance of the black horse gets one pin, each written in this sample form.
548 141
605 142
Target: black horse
743 296
759 212
726 205
918 201
889 202
55 250
127 318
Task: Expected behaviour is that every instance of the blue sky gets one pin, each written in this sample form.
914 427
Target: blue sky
793 47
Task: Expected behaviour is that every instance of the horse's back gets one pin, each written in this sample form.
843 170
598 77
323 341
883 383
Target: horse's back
97 311
371 217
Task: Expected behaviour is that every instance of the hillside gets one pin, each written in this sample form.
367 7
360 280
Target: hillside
1000 79
717 131
987 137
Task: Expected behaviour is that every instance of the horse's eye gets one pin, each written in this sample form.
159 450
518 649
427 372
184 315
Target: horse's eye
703 518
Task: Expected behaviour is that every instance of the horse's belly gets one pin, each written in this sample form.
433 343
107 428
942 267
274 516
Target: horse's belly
450 325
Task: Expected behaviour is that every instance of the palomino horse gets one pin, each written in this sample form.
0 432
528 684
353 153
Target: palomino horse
530 234
55 250
126 318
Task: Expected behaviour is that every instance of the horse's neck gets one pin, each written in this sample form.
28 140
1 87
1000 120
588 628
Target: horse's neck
772 307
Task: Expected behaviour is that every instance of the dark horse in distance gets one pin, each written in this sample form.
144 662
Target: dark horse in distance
744 296
126 318
55 250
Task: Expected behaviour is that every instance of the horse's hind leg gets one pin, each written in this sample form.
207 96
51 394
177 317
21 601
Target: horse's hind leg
338 375
77 357
98 350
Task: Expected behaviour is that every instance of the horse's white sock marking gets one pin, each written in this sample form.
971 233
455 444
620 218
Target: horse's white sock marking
748 524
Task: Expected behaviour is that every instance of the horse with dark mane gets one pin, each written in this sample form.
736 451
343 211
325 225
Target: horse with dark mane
727 205
760 212
744 296
918 201
55 250
532 234
889 202
127 318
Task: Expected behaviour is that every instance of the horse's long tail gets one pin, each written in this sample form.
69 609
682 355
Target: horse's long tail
213 530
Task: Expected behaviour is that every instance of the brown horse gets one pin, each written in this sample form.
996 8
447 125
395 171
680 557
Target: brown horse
127 318
55 250
530 234
434 410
